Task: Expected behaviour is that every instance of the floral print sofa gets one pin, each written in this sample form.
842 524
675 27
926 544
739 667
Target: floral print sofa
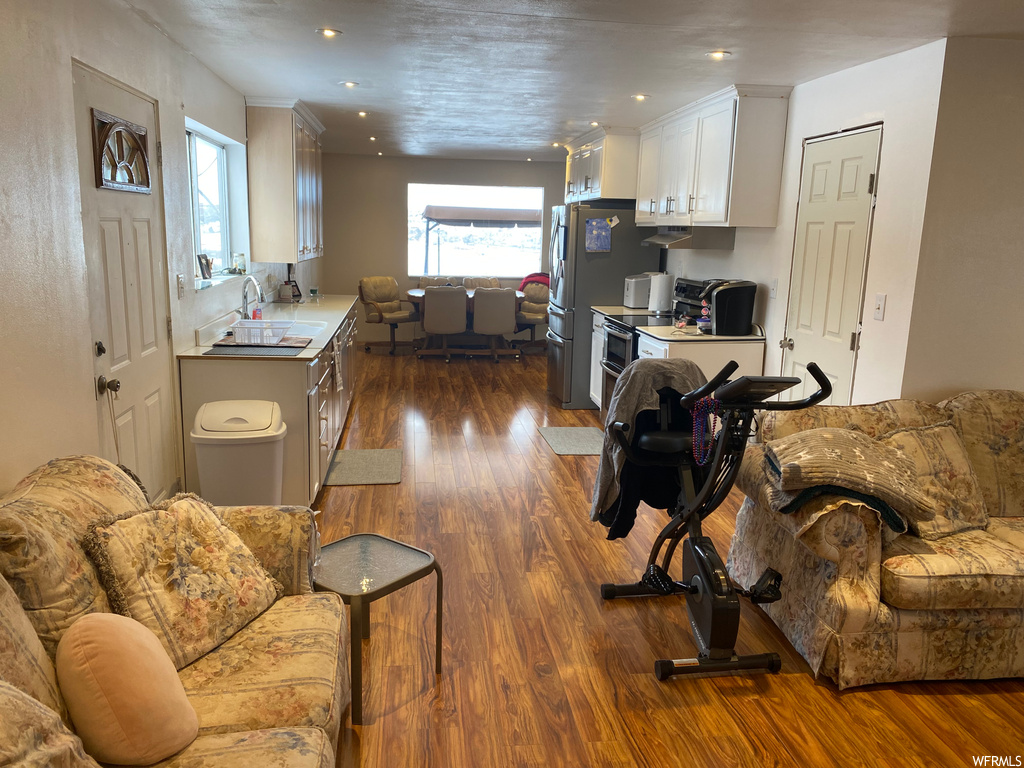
866 603
273 694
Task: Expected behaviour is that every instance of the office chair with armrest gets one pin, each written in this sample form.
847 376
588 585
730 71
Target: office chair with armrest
383 304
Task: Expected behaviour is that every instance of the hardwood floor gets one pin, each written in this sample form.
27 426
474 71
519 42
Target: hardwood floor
538 670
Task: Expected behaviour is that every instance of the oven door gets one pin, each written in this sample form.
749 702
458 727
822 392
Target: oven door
611 376
619 345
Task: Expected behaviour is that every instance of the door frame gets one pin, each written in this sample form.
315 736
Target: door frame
817 139
157 159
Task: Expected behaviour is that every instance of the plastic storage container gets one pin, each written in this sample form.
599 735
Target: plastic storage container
240 451
260 331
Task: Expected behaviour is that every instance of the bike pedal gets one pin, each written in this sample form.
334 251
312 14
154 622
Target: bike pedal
657 579
768 588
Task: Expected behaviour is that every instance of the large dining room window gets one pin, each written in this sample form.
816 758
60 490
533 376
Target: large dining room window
457 229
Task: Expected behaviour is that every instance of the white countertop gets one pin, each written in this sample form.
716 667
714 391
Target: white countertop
671 333
327 309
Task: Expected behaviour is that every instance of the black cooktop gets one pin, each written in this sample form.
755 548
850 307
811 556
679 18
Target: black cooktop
635 320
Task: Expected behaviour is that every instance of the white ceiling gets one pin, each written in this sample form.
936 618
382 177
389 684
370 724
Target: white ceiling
502 79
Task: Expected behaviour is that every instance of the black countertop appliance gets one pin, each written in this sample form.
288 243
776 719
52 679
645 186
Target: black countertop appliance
729 304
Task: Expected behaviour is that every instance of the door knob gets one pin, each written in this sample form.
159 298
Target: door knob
786 344
103 384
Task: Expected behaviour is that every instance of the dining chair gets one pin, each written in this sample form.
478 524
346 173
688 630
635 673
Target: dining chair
444 314
427 280
383 304
533 312
494 315
481 282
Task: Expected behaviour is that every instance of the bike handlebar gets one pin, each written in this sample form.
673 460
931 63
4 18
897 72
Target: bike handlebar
824 390
706 389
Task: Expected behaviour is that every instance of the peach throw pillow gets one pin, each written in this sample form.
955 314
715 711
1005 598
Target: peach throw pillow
122 691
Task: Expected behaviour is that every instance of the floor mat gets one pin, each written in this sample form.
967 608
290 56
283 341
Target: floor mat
382 466
573 441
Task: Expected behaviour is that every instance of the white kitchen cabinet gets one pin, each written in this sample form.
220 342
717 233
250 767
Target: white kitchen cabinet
647 178
675 179
720 160
285 184
709 355
596 354
602 165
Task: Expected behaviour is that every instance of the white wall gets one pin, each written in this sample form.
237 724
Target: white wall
48 406
968 319
902 92
366 223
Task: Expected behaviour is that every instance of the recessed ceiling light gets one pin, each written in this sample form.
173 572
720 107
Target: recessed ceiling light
594 123
554 144
348 83
373 138
640 96
328 32
380 154
529 159
718 55
362 114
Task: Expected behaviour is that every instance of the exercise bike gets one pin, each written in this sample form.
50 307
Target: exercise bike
707 464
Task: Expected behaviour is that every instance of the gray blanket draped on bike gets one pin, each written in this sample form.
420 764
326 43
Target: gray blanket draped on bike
620 487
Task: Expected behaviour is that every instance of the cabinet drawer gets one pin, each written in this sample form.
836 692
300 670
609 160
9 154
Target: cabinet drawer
649 348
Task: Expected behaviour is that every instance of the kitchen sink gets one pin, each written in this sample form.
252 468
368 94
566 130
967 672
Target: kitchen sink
243 351
307 328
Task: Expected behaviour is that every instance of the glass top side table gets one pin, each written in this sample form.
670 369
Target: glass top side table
362 568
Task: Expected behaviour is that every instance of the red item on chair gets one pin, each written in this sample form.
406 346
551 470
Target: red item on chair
535 277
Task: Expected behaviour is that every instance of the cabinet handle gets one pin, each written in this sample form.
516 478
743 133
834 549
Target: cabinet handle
689 208
646 352
586 183
669 208
652 206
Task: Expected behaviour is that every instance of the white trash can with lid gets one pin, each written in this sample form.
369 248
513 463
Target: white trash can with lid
240 451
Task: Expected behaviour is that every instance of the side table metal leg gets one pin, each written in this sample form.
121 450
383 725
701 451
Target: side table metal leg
365 620
440 607
355 621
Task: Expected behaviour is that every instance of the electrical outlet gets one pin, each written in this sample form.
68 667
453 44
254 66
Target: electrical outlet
879 306
775 288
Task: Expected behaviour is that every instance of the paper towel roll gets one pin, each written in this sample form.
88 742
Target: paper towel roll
662 287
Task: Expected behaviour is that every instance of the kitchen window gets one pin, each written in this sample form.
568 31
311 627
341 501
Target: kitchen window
458 229
208 180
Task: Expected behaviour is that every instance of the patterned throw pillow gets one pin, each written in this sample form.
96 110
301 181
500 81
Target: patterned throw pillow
945 475
32 736
183 574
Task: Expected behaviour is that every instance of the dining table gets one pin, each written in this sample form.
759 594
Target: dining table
415 295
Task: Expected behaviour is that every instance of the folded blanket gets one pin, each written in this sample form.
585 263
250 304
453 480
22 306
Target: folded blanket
848 463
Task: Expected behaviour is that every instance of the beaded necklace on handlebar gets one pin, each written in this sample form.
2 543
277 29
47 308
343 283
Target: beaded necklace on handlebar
707 461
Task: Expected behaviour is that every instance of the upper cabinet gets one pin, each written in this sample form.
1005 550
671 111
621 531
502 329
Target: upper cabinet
716 162
601 164
285 183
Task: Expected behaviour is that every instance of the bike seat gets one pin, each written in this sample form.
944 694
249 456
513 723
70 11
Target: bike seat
665 441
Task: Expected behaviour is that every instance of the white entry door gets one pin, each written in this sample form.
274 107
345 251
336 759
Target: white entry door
829 259
127 280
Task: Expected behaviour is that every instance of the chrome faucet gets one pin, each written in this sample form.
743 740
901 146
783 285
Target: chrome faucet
245 294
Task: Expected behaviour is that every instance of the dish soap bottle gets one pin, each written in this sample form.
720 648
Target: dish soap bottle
257 313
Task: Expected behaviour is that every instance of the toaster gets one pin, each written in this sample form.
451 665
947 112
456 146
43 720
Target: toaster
637 292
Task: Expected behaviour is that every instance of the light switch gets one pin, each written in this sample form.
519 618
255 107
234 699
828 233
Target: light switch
775 288
181 286
879 306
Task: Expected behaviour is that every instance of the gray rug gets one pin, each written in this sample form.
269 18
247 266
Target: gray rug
573 441
382 466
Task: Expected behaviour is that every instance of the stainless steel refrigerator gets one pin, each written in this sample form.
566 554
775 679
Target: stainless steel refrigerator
581 278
